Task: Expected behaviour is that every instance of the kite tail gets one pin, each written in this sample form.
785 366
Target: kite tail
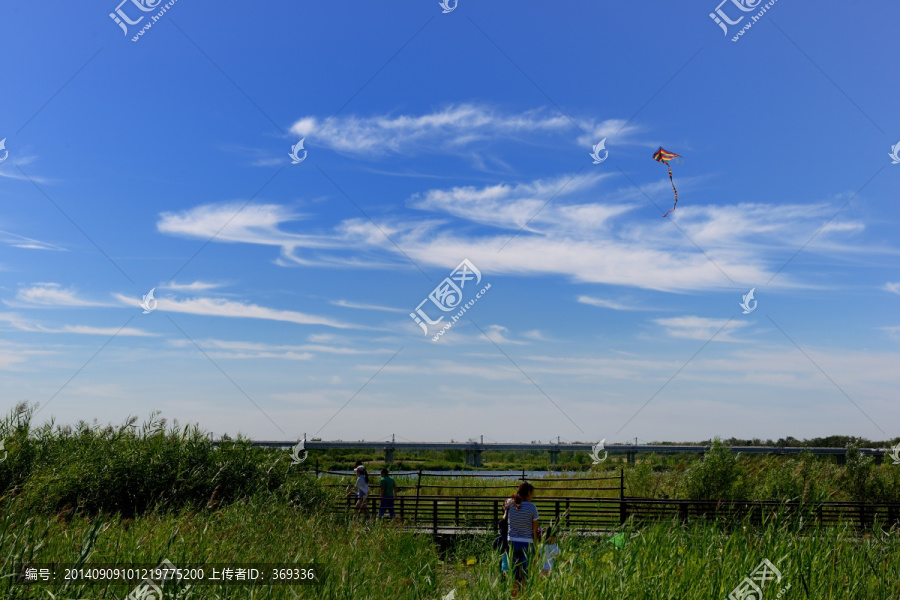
673 189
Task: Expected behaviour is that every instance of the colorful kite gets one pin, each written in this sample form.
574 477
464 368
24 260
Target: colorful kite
664 156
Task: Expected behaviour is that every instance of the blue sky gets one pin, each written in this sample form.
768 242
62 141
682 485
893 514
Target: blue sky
284 291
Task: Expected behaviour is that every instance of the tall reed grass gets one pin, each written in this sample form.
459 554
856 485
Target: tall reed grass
376 560
139 494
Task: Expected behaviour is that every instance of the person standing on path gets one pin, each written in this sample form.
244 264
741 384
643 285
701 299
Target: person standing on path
362 489
523 526
387 486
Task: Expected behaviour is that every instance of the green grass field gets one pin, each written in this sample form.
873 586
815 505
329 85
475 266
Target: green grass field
140 494
375 560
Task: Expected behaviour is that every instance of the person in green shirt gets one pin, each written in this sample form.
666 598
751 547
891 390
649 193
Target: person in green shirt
388 485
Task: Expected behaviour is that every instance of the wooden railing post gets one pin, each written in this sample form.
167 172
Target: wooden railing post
434 524
418 487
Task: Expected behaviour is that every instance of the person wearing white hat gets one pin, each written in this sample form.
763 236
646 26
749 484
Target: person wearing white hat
362 489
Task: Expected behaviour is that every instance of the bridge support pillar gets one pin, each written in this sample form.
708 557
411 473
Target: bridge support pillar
554 457
388 455
473 458
879 458
841 459
630 456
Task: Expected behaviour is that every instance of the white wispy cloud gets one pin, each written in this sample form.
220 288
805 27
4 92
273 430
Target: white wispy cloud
701 328
515 205
893 287
257 157
606 240
8 167
601 242
13 355
451 130
254 224
781 366
323 338
220 307
501 335
22 324
616 130
535 334
893 332
15 320
783 225
89 330
244 349
53 294
360 306
20 241
602 303
197 286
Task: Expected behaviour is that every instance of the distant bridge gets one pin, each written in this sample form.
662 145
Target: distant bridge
473 449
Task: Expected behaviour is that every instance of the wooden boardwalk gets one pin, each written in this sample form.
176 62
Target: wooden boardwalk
466 512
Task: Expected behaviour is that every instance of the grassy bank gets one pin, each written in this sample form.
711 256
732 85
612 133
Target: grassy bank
132 469
137 494
356 560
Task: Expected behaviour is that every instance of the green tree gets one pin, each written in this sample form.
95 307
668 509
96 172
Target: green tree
718 476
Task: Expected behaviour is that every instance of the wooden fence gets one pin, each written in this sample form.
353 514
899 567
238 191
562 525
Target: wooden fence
466 512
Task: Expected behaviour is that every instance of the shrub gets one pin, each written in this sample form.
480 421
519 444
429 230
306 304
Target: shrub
805 479
718 476
864 481
642 482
